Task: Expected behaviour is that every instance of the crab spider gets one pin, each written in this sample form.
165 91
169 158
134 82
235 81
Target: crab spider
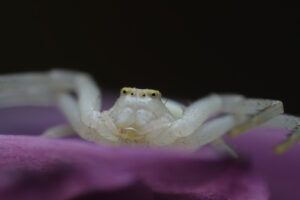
143 116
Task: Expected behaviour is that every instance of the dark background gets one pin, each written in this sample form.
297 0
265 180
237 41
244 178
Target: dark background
183 49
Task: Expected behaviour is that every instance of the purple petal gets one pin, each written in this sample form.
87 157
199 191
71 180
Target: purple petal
40 168
280 171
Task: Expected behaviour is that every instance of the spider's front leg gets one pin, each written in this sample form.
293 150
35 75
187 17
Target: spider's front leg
195 115
34 88
69 106
211 133
192 118
192 129
48 88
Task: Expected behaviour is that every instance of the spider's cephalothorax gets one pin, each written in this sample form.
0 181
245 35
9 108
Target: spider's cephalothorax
135 109
142 115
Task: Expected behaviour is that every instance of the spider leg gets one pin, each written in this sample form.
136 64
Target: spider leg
33 88
195 115
191 119
165 132
293 138
212 129
88 106
253 112
48 88
211 132
176 108
223 146
70 108
289 122
59 131
45 87
89 99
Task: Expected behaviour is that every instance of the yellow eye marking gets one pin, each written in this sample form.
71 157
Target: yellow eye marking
126 90
153 93
140 92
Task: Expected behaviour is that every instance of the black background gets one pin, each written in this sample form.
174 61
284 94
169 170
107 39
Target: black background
183 49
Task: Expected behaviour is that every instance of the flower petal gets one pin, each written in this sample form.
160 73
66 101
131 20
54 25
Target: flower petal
41 168
280 171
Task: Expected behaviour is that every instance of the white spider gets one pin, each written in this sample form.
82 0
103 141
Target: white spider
142 115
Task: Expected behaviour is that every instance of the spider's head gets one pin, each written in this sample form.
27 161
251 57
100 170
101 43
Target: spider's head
136 99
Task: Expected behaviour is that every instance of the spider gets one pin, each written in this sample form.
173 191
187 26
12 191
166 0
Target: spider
143 116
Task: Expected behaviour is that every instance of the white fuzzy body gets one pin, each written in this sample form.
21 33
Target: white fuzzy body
137 112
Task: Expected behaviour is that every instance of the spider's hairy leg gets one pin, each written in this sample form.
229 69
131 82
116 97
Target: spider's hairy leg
33 88
89 99
288 122
88 104
176 108
254 112
69 107
37 88
195 115
211 132
52 88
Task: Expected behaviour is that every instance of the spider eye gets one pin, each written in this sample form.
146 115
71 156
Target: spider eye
143 94
125 90
154 93
133 93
